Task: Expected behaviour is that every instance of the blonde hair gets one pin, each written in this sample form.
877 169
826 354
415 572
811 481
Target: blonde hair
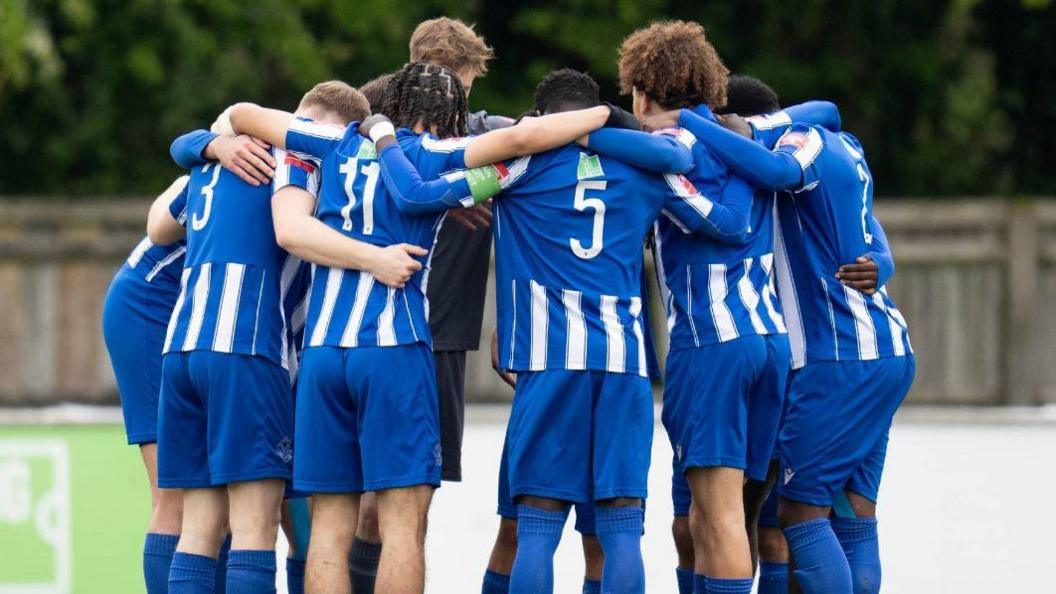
337 97
452 43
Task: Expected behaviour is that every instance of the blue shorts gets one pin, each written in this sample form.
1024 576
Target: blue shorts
223 418
580 436
135 318
766 407
508 509
367 419
707 399
834 435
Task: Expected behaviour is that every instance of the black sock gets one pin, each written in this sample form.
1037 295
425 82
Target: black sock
363 565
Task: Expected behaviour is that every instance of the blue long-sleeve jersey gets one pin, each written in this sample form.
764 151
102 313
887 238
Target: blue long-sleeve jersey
825 221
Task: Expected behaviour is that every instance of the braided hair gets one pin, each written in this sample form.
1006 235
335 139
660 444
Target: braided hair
429 94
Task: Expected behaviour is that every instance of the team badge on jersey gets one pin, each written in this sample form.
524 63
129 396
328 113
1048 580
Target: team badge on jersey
589 166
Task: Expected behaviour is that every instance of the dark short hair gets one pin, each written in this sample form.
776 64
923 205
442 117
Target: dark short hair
566 89
374 89
749 96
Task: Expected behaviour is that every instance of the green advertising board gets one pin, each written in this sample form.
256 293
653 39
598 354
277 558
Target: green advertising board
74 505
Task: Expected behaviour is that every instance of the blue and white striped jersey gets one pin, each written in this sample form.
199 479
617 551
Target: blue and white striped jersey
159 266
569 226
236 279
349 308
820 228
717 290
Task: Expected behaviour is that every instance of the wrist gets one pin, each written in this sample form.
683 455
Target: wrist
381 130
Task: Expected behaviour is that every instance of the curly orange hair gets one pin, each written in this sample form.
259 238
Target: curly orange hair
674 64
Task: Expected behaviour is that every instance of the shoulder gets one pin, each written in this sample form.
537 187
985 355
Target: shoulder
769 121
687 138
433 144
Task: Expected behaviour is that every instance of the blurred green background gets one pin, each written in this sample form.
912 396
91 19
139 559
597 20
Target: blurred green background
949 96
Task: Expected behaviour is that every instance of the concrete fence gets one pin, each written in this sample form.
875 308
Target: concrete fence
976 281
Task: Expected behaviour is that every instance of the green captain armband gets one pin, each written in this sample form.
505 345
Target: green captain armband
484 182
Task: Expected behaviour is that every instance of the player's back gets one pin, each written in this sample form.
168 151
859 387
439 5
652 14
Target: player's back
714 290
349 308
568 227
823 224
232 280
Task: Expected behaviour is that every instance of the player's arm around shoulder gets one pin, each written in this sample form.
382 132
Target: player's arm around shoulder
168 213
534 135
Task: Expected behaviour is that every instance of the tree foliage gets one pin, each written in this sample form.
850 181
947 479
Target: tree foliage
949 97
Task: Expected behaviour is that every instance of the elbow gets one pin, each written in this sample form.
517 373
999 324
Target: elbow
159 233
286 237
681 163
239 114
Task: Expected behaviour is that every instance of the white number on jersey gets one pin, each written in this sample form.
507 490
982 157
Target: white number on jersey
582 203
350 169
864 176
199 220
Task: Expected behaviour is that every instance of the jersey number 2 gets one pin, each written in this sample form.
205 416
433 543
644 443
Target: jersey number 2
582 203
350 169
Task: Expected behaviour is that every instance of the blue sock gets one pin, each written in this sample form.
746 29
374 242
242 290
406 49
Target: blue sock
620 533
251 572
221 566
591 586
191 574
727 586
295 576
495 583
860 544
157 557
821 566
685 580
538 534
773 578
363 565
700 584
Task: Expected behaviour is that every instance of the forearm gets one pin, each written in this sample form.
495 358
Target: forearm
269 125
534 135
881 254
822 113
653 152
748 159
190 150
413 195
724 220
162 227
313 241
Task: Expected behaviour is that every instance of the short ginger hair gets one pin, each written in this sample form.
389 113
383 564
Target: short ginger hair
338 97
452 43
674 64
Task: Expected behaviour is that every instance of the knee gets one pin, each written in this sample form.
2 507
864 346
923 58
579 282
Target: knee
167 512
367 528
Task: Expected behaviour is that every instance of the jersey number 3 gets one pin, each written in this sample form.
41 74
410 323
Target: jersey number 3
199 220
582 203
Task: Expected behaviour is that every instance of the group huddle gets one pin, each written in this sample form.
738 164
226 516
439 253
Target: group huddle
292 334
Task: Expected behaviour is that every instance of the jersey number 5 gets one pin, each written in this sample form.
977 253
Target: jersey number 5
582 203
350 169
